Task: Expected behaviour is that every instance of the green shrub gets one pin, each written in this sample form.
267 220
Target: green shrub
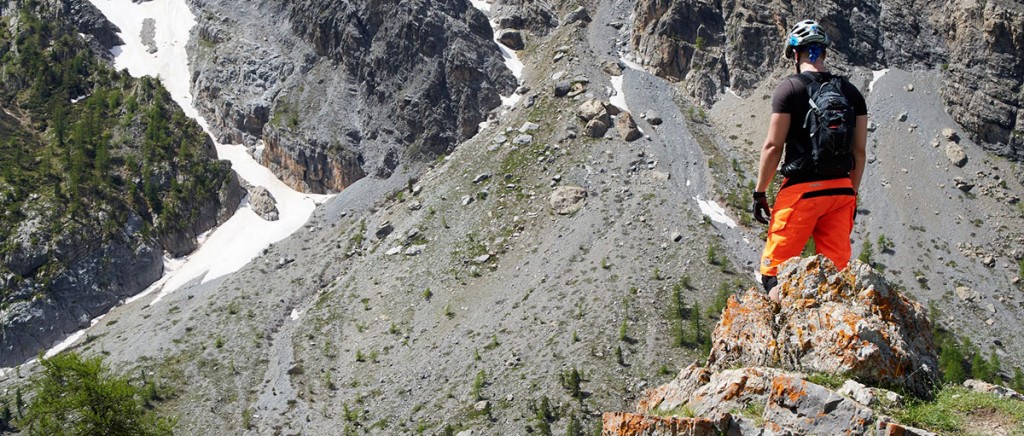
79 396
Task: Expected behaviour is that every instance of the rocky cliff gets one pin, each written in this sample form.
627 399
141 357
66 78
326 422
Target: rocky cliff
101 175
711 45
340 90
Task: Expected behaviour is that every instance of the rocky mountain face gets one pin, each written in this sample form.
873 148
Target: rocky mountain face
101 175
340 90
713 45
575 251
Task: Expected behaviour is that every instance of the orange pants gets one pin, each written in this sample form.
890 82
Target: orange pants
823 209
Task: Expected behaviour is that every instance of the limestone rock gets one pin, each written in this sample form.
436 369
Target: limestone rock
955 154
950 135
806 408
263 203
596 129
894 429
613 68
619 423
148 35
579 14
850 323
593 110
966 294
980 386
612 109
627 128
567 199
858 392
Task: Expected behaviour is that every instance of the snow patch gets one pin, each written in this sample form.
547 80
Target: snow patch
875 76
245 235
619 98
67 342
510 57
715 211
631 64
482 5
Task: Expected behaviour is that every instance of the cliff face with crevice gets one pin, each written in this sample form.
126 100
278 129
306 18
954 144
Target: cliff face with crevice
711 45
346 89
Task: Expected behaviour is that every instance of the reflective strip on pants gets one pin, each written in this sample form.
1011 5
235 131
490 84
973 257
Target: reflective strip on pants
823 209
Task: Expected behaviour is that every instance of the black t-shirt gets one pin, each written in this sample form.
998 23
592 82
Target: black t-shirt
792 97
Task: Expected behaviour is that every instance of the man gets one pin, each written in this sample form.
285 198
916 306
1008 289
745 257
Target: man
818 196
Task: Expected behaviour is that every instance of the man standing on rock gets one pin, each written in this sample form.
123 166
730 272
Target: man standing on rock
820 120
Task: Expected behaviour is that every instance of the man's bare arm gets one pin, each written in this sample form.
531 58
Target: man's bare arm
771 152
860 139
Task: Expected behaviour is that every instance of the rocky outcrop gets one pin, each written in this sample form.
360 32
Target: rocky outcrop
851 323
714 44
89 21
533 15
846 324
346 89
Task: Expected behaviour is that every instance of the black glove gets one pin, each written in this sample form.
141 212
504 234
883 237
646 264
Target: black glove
762 212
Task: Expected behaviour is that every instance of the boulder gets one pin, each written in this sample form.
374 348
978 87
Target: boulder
850 323
596 129
984 387
579 14
593 110
627 128
512 39
894 429
955 154
510 22
950 134
613 68
384 229
802 407
567 199
562 88
652 118
263 203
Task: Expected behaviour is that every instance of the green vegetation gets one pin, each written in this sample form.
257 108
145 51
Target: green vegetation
85 147
960 359
571 380
478 385
955 407
79 396
866 253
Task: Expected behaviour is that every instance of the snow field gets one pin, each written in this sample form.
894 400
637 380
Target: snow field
245 235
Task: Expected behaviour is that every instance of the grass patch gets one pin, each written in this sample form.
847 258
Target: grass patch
831 381
955 408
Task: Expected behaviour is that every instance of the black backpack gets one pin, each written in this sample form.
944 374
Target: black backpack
831 123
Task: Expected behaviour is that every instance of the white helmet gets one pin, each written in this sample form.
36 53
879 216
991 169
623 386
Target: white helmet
805 33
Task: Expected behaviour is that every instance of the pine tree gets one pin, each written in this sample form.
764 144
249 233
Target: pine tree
696 329
951 364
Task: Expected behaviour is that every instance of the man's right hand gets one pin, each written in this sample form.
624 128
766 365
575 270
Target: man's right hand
762 212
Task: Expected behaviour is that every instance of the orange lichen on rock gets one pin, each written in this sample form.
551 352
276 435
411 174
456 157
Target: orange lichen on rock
632 424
